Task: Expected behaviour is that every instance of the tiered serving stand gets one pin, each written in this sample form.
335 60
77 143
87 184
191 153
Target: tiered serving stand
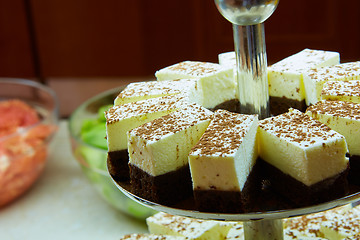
262 225
247 17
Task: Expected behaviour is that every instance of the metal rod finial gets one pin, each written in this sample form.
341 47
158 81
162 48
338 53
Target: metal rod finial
247 17
246 12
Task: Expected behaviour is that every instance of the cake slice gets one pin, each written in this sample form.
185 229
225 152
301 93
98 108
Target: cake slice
342 226
215 84
221 163
309 225
158 154
190 228
304 226
147 236
314 79
122 118
236 232
343 117
286 88
304 238
227 59
348 91
138 91
303 158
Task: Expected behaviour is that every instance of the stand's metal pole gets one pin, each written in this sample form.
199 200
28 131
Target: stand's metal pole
251 65
263 229
247 17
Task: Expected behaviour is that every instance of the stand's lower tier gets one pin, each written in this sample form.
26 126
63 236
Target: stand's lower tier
269 205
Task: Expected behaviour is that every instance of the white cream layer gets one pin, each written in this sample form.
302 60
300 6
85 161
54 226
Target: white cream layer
215 83
340 226
122 118
343 117
163 223
163 145
226 153
227 59
348 91
302 147
147 236
138 91
314 79
286 76
309 225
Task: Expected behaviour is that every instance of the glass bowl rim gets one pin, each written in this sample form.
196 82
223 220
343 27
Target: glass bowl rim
77 138
37 85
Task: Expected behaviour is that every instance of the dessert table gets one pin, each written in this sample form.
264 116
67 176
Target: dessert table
63 205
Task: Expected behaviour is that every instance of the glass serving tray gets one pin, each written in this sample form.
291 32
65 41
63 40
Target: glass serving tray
265 224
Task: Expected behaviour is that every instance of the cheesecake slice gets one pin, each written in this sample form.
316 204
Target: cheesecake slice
348 91
342 226
304 159
215 87
309 225
158 154
286 88
314 79
286 237
343 117
227 59
236 232
138 91
190 228
148 236
221 163
122 118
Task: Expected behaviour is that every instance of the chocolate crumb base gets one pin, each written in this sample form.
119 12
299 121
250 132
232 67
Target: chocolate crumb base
354 173
118 165
232 105
230 201
249 109
267 200
279 105
169 188
235 106
301 194
219 201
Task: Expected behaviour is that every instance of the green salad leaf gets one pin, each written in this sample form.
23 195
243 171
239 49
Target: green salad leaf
93 132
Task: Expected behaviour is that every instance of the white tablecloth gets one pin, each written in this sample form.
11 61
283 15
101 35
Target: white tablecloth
63 205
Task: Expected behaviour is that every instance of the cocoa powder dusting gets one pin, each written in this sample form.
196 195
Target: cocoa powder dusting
298 127
224 134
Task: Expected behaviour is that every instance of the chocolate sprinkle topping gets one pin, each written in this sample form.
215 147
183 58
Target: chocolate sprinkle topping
173 122
297 127
224 134
337 109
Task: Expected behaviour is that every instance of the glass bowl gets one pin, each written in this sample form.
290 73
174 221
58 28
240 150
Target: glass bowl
87 132
28 122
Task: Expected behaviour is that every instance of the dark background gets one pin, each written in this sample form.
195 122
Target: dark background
81 47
